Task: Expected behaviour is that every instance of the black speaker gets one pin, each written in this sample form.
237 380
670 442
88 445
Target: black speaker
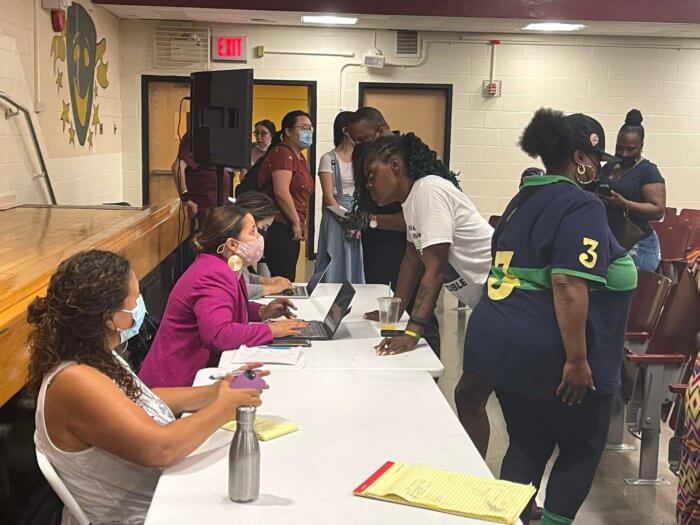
222 117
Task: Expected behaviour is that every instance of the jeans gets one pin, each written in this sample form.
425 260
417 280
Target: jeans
647 253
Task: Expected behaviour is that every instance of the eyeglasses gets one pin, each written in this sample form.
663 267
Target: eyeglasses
260 133
304 128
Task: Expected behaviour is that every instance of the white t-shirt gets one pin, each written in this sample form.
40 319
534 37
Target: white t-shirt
345 172
437 212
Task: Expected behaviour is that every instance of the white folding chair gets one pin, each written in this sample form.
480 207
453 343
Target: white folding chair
60 489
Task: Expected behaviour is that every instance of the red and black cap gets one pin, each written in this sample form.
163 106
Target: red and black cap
589 136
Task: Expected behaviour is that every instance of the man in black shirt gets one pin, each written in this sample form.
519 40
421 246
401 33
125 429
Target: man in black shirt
384 241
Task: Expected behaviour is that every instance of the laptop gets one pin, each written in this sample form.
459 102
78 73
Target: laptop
304 292
325 330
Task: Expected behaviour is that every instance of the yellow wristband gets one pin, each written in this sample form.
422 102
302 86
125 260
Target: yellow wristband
410 333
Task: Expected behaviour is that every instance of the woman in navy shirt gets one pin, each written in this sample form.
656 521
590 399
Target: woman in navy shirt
638 189
548 333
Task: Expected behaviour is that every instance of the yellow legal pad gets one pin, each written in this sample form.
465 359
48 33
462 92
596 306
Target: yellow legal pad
445 491
266 428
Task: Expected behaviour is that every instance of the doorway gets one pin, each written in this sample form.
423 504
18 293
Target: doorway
161 99
430 115
272 100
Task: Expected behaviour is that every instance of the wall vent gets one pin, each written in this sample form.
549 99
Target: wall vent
181 45
407 44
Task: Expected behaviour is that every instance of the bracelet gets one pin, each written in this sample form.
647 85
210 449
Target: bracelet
413 334
185 196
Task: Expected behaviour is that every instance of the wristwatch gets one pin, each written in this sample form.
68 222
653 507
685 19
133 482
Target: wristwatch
185 196
373 221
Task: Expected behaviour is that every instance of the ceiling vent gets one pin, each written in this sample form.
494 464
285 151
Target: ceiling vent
179 45
407 44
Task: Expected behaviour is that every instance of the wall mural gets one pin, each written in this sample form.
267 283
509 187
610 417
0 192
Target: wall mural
78 50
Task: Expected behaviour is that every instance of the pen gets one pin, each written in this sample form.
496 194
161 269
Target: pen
220 377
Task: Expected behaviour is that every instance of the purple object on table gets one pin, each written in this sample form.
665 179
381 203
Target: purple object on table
249 379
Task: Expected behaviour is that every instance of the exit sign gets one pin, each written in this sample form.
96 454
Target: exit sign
229 48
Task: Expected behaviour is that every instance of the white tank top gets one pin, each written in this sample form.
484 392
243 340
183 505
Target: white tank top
108 489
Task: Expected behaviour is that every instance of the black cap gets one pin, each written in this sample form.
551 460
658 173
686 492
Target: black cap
589 136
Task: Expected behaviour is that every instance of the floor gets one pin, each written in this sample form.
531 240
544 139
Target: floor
611 501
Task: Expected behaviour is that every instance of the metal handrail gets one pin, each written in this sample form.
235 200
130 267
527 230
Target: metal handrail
30 124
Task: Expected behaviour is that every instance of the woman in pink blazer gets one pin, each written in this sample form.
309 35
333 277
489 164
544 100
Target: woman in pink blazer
208 309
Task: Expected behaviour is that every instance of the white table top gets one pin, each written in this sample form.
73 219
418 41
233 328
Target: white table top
354 342
350 423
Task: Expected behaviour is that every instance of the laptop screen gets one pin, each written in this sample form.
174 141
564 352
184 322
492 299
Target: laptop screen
339 308
321 268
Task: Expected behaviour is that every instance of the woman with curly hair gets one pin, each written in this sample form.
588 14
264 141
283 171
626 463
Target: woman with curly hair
106 434
448 240
548 333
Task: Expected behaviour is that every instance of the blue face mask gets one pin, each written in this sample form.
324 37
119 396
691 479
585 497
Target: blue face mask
137 314
306 138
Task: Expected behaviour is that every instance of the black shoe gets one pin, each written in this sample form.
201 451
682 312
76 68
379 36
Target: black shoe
537 513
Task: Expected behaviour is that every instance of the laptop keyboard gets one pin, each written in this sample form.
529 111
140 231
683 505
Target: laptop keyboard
296 291
314 329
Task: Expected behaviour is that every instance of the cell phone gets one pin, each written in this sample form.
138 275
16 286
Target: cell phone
605 190
248 379
286 343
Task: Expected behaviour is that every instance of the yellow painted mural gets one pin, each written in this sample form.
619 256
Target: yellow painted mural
81 70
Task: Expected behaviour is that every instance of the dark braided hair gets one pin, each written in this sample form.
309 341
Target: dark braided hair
69 323
418 158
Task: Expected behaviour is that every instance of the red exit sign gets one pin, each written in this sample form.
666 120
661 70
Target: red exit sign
229 48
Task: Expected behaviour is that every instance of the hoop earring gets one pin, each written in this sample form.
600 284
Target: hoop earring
235 263
580 169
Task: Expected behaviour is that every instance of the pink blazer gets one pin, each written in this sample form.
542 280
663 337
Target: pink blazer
207 312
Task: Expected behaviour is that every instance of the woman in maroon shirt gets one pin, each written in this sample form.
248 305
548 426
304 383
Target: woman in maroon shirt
284 176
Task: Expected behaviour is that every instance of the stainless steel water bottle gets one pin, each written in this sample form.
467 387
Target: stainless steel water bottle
244 458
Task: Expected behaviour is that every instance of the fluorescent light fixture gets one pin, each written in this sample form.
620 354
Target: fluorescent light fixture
329 20
553 26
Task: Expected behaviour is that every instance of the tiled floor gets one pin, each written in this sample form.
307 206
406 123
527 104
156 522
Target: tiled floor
611 501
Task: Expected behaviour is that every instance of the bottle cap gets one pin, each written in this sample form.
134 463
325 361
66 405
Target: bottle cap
245 415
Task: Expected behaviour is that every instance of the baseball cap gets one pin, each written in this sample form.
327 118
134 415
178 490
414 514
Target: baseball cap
589 136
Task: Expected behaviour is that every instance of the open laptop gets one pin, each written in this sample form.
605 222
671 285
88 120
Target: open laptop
304 292
325 330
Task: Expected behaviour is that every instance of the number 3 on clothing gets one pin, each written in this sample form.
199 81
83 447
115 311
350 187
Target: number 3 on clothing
590 256
501 290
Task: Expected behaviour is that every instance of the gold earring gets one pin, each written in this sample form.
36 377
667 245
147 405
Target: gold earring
580 169
235 263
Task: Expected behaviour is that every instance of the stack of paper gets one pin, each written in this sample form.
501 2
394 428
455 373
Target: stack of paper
450 492
266 428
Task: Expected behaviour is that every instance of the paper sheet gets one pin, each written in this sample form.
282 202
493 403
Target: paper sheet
452 492
264 355
266 428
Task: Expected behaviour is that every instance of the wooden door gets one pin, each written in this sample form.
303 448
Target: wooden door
422 109
163 141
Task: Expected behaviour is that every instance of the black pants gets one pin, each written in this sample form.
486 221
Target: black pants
535 427
281 251
382 253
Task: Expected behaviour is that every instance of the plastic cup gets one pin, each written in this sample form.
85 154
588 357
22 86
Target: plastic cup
389 313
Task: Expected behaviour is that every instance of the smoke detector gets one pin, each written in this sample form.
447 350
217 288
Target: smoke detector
373 58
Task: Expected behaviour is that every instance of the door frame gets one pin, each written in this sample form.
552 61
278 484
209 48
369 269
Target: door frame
447 88
145 145
311 85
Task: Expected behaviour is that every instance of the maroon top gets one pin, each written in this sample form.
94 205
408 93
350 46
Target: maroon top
200 179
300 187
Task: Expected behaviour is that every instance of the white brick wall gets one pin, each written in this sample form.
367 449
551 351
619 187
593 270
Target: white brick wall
79 175
604 77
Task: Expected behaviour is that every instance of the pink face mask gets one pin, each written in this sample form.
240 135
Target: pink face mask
251 251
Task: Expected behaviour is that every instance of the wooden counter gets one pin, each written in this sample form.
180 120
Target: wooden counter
33 241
